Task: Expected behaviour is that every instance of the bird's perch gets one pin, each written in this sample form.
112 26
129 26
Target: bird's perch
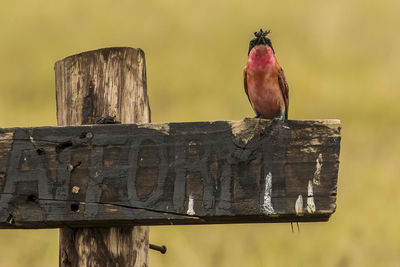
173 173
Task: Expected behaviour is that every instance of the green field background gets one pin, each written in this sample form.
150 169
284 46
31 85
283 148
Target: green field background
342 61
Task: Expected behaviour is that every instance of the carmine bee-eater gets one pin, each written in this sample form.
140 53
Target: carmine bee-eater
264 80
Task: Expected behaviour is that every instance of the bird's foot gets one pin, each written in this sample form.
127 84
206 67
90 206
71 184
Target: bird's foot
283 114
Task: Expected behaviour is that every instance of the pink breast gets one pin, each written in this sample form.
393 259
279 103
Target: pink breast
262 82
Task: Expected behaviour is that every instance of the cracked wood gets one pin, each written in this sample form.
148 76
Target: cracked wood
101 86
174 173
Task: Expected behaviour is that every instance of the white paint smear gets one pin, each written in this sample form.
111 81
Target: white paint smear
190 210
310 199
299 205
317 173
267 205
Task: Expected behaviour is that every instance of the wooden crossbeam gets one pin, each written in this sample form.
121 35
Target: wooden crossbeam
252 170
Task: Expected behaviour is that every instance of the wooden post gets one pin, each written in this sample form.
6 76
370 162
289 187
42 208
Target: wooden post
104 85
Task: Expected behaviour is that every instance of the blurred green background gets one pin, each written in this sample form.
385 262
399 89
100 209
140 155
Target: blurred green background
341 58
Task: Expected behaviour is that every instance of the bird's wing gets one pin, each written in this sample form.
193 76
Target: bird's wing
245 82
284 89
245 89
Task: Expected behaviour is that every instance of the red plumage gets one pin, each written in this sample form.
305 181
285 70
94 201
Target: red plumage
265 83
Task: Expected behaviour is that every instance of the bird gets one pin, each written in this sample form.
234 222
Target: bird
264 79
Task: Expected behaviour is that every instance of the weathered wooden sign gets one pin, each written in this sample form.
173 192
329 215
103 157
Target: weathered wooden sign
174 173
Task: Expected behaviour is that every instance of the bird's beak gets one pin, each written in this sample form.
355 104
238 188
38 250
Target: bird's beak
261 41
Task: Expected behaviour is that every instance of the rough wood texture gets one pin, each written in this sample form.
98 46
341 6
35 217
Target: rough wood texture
109 82
174 173
111 246
92 87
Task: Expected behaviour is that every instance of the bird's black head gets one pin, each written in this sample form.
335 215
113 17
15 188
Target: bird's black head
260 39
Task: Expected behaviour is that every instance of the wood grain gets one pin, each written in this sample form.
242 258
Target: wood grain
102 86
252 170
104 83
